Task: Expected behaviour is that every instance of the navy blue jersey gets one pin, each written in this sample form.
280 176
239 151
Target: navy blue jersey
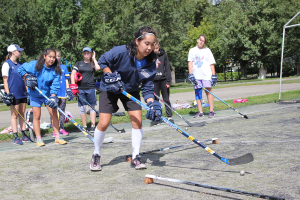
118 59
16 83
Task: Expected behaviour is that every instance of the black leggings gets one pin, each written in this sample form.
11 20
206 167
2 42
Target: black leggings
62 105
165 92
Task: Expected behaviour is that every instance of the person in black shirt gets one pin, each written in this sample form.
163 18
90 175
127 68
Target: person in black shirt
163 79
86 86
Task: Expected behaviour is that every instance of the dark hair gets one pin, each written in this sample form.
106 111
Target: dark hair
131 47
204 38
41 61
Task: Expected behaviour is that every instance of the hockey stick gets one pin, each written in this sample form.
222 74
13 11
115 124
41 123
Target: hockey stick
245 116
23 120
81 98
234 161
191 125
149 179
214 141
85 132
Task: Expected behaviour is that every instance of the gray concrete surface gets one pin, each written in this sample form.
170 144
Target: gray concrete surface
224 94
271 134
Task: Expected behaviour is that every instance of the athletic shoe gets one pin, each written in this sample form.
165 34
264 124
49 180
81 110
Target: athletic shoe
211 114
18 141
25 139
53 134
92 129
154 123
40 143
62 131
60 141
171 120
95 163
137 162
199 114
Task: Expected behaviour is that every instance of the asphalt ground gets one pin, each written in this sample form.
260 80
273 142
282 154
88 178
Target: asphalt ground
271 134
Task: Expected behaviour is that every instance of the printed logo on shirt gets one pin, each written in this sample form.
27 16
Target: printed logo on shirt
157 63
159 73
199 62
145 74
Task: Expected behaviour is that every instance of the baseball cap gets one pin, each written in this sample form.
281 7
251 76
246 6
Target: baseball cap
14 47
87 49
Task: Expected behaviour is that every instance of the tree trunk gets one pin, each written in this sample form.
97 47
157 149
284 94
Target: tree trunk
173 75
262 73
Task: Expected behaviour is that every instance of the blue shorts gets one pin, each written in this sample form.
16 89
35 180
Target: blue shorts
89 96
37 101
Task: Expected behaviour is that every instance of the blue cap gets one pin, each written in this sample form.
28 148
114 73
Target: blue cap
14 47
87 49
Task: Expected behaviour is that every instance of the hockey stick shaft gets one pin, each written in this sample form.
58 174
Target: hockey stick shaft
22 119
245 116
211 187
81 98
245 159
167 148
174 110
85 132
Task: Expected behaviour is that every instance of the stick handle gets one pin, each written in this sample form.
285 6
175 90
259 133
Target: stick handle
85 132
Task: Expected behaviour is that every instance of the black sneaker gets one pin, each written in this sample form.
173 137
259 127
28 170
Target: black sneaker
95 163
154 123
92 129
137 163
171 120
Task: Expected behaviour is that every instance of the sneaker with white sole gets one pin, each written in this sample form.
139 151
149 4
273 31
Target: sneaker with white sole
40 143
60 141
137 163
95 163
17 140
199 114
211 114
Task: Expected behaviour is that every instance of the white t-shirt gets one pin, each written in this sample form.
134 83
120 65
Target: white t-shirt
5 69
202 59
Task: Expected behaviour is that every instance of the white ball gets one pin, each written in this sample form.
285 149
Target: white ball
242 173
186 128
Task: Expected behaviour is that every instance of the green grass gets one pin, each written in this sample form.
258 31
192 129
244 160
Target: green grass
253 100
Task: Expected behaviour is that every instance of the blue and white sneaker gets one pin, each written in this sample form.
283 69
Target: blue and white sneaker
18 141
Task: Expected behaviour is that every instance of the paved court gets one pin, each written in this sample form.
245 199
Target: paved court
271 134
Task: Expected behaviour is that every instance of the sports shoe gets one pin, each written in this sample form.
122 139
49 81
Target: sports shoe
60 141
62 131
95 163
211 114
137 162
40 143
18 141
199 114
154 123
92 129
25 139
171 120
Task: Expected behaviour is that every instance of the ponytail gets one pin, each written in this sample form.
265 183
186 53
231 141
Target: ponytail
8 56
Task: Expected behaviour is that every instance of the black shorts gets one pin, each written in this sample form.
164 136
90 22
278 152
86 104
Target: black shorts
108 102
18 101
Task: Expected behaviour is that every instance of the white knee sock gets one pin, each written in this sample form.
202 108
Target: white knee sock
136 140
98 140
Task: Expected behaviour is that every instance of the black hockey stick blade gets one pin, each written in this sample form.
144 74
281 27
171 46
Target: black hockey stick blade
247 158
245 116
196 124
27 137
122 131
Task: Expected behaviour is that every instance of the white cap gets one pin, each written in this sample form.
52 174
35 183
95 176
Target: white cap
14 47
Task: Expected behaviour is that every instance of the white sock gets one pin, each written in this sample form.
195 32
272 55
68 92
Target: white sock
98 140
136 140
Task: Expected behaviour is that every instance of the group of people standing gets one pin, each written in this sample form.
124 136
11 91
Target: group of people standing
141 64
